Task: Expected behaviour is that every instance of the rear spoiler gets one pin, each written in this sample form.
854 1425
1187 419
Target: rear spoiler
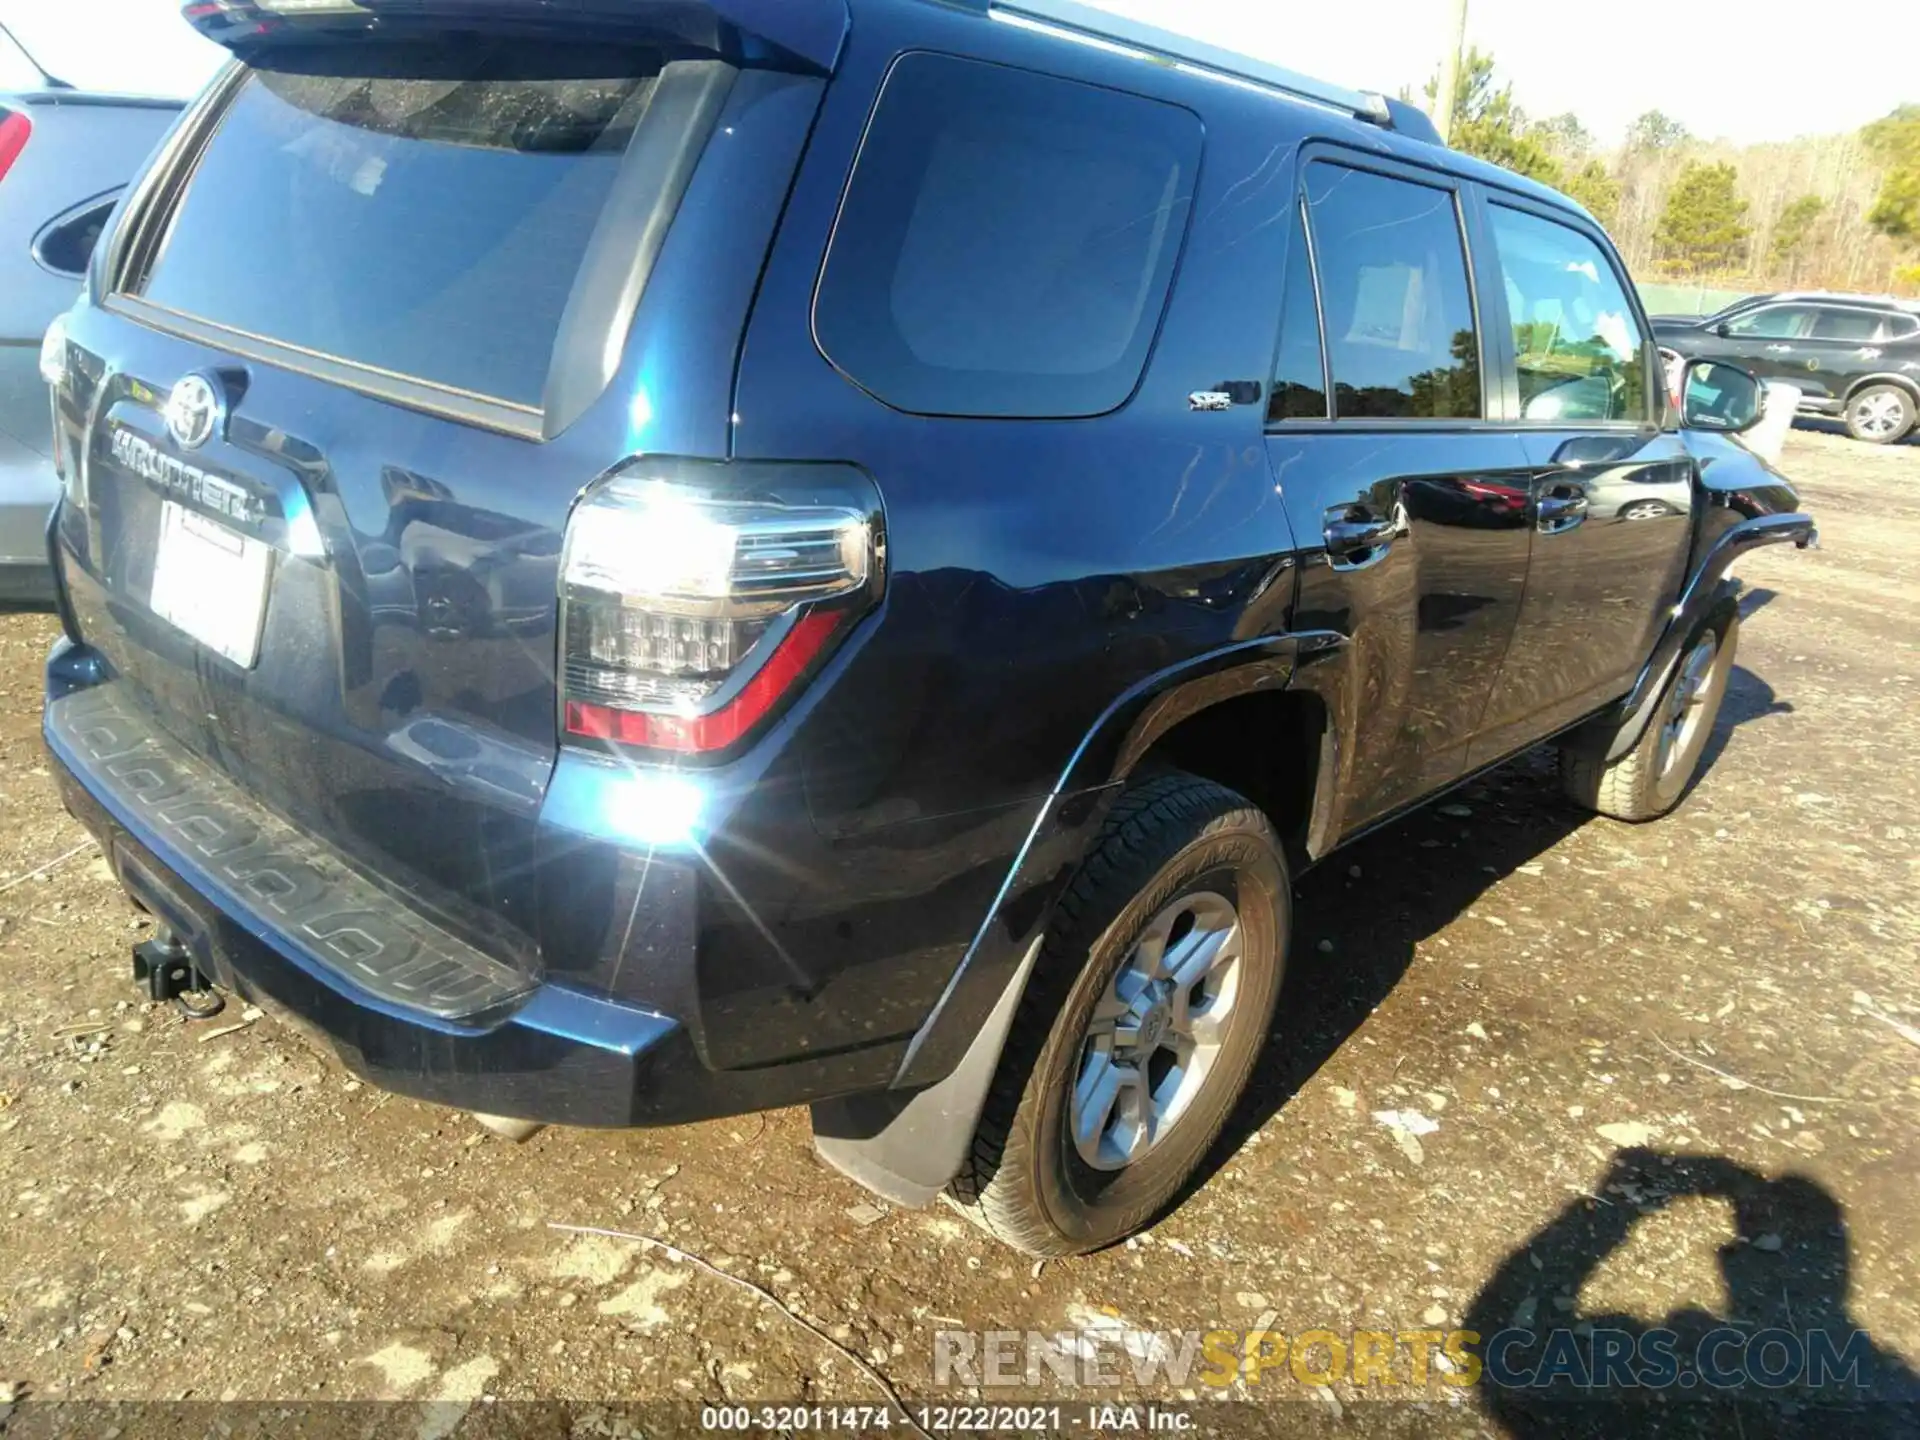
808 33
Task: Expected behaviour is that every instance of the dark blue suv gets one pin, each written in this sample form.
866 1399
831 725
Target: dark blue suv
646 559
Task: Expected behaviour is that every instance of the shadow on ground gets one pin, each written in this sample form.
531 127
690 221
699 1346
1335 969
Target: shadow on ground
1786 1357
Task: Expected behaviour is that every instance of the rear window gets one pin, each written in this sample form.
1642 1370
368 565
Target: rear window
1007 242
420 211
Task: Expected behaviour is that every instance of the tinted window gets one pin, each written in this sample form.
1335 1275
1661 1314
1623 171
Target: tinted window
1836 324
1579 350
67 245
1007 242
1900 327
1776 322
1299 381
1394 296
419 210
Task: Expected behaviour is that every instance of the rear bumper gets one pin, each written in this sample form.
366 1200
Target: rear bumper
407 1006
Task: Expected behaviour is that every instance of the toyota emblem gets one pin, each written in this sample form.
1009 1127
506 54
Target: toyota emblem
193 410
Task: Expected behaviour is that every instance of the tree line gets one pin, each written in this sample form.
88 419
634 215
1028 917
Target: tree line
1838 212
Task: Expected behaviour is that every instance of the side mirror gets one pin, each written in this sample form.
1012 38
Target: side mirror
1723 330
1721 397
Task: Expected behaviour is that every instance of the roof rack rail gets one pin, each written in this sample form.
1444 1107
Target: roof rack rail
1078 21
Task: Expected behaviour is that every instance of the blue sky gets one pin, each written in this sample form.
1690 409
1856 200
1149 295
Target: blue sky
1748 72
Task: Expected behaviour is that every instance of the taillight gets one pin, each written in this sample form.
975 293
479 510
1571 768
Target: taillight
53 352
696 597
14 130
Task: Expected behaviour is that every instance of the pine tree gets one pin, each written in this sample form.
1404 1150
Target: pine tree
1594 187
1895 140
1488 124
1704 225
1794 232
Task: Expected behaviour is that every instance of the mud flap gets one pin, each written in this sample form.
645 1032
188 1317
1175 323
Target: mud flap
906 1145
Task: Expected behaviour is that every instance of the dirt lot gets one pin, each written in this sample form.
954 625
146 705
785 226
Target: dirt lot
194 1212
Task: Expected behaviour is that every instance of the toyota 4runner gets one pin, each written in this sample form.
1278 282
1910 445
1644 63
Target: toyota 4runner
636 561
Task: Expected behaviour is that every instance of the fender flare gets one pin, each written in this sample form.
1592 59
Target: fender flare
908 1141
1618 730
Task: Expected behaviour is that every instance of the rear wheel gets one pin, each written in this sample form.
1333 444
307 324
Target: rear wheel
1649 779
1146 1012
1880 414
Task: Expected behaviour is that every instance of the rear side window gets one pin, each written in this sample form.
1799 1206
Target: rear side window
66 245
1830 323
1299 374
1007 242
1577 345
418 210
1394 296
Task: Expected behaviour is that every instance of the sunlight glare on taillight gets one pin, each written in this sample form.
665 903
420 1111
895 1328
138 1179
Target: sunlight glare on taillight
696 596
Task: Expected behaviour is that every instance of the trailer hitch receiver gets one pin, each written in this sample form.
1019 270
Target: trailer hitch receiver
164 965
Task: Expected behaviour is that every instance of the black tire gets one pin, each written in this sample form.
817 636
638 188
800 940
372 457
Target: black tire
1880 414
1638 786
1025 1181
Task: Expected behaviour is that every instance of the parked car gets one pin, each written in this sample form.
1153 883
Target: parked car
1854 358
957 624
65 155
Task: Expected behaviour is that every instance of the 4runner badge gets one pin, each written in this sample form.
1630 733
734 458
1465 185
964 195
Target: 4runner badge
173 476
192 411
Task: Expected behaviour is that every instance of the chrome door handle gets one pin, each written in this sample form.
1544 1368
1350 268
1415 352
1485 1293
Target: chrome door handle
1357 538
1560 512
1779 349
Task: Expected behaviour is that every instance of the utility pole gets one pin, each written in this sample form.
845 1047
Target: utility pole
1449 89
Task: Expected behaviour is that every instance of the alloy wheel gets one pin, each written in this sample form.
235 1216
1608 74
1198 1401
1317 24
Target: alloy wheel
1686 703
1157 1032
1879 415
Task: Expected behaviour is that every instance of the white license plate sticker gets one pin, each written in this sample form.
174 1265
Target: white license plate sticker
211 582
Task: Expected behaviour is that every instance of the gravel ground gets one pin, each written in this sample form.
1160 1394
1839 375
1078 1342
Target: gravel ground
1639 1074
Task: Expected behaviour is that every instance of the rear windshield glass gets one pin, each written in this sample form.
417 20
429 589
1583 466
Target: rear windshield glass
418 211
1007 242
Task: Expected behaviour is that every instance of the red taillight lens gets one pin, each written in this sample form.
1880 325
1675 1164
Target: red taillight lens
14 130
695 597
691 734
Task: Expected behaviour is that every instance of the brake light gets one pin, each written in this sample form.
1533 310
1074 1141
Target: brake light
53 352
697 597
14 130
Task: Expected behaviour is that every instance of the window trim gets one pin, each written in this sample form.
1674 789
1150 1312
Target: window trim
655 171
1294 422
1653 379
1460 188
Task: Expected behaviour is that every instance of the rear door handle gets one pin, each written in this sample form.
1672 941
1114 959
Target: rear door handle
1560 509
1356 537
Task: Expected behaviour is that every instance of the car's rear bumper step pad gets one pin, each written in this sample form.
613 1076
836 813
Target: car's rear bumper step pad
267 875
